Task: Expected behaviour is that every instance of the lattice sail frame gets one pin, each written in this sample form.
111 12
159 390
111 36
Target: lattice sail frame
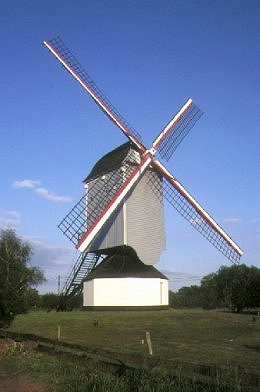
166 143
70 62
182 128
178 201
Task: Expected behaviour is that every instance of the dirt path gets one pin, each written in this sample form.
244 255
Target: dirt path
19 382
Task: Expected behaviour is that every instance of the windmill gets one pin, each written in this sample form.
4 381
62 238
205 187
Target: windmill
122 207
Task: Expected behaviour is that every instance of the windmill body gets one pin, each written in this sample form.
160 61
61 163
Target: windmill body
133 236
119 220
138 221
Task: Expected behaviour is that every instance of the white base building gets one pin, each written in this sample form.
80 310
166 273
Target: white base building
122 281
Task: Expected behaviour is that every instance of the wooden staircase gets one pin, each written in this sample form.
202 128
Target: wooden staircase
74 283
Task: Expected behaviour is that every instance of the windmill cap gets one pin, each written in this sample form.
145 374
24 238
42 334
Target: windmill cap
110 161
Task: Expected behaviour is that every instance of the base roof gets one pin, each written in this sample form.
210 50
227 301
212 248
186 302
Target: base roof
123 266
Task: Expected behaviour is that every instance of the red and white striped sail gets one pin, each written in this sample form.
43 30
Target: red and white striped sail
83 232
175 193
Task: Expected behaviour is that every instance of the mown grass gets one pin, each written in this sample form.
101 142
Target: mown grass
61 375
184 336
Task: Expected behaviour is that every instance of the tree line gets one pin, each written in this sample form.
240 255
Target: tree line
236 287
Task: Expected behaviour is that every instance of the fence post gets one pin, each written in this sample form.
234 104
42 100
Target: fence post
149 342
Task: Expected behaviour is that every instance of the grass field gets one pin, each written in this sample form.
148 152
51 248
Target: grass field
24 371
183 336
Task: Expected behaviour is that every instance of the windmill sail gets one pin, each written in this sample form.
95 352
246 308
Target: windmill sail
176 130
191 210
72 65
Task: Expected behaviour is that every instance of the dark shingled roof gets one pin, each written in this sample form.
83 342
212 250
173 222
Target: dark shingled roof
123 266
110 161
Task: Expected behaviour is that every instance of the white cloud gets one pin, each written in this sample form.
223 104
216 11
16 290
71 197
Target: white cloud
53 260
40 191
231 220
45 255
61 262
14 214
6 223
10 219
52 196
26 184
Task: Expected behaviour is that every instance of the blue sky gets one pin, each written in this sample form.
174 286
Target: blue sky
148 57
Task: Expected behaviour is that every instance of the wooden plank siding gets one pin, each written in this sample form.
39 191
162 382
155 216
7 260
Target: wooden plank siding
139 223
145 220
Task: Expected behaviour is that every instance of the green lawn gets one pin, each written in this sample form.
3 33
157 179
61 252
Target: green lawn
188 336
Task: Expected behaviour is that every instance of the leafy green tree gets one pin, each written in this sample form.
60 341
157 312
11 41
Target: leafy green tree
33 299
49 301
17 277
209 293
254 293
172 299
189 297
235 287
238 286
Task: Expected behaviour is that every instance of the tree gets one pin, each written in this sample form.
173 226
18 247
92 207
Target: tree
16 276
209 295
33 299
235 287
238 286
189 297
49 301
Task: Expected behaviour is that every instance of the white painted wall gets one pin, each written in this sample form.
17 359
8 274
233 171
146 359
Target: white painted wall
126 292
